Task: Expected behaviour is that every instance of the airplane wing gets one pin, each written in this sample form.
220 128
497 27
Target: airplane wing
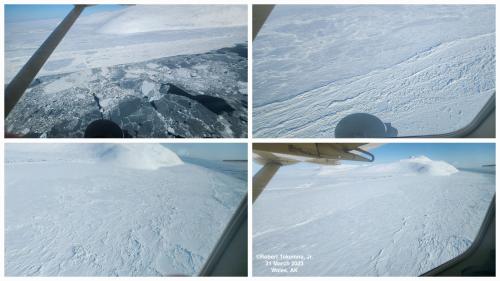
319 153
274 155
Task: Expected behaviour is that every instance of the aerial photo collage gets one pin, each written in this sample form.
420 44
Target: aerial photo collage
245 139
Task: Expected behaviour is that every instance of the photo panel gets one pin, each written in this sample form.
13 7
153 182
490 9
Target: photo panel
126 71
115 209
354 209
373 71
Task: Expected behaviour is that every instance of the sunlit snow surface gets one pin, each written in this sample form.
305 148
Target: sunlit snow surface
105 210
423 69
398 219
115 65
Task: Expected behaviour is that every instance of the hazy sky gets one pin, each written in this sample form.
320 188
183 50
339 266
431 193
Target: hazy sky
461 155
16 13
210 151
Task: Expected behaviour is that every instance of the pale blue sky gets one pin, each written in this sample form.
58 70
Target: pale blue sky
16 13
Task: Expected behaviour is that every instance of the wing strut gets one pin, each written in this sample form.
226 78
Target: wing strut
15 90
262 178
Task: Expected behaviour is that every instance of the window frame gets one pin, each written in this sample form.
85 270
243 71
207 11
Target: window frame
489 221
481 116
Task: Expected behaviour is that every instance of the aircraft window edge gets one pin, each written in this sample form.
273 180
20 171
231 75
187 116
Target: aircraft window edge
488 108
230 230
473 247
482 115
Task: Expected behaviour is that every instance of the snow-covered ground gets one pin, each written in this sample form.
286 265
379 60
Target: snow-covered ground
120 65
129 35
113 209
396 219
424 69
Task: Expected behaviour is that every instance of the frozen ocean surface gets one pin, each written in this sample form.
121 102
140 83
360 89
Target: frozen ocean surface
423 69
156 71
129 35
397 219
113 210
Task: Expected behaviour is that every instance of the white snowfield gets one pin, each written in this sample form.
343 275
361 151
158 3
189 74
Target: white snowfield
175 17
396 219
134 156
129 35
423 69
81 210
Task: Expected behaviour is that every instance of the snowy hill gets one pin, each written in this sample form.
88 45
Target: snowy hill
86 210
420 165
414 166
396 219
138 156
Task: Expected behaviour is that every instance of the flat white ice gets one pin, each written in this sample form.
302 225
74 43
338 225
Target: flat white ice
132 34
94 210
175 17
424 69
396 219
147 87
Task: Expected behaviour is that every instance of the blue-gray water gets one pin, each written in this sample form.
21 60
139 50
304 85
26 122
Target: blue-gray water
482 170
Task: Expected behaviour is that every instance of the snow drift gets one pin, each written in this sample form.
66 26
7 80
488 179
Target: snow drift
413 166
134 156
179 17
420 165
139 156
